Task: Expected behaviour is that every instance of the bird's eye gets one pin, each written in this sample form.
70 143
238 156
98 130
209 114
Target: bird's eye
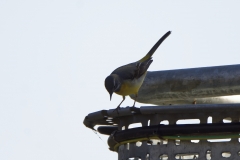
115 86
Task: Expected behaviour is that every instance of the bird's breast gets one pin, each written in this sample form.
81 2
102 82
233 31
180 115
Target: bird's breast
131 86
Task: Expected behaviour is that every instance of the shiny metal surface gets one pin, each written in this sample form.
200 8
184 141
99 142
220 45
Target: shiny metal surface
218 84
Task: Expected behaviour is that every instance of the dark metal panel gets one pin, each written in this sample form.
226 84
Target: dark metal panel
188 108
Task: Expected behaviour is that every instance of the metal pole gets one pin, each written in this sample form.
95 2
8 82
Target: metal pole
194 85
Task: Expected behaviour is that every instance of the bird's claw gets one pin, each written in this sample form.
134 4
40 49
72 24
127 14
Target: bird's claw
116 109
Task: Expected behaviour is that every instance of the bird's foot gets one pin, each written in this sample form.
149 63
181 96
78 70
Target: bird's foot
133 107
116 109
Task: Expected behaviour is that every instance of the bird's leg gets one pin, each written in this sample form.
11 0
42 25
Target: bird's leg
118 107
121 102
136 95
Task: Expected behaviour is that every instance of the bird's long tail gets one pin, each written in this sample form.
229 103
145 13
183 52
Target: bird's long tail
154 48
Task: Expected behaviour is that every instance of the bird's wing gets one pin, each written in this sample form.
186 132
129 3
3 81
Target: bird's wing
133 70
137 69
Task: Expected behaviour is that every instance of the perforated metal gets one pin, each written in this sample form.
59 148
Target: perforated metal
172 149
184 149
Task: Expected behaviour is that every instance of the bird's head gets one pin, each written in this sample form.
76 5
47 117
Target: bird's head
112 84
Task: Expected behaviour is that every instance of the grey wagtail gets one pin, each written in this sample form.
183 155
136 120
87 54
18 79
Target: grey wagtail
127 79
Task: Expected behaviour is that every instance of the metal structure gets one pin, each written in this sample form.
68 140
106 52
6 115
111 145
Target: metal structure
204 85
163 132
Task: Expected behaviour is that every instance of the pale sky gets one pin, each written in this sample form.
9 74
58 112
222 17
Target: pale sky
55 55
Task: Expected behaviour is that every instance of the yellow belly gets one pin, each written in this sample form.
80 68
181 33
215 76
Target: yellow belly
131 86
127 89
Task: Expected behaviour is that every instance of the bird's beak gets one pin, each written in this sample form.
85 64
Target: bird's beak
110 96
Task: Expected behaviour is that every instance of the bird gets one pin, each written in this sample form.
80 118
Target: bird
127 79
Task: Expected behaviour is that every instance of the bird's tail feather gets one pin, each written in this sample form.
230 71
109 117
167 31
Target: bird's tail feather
154 48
